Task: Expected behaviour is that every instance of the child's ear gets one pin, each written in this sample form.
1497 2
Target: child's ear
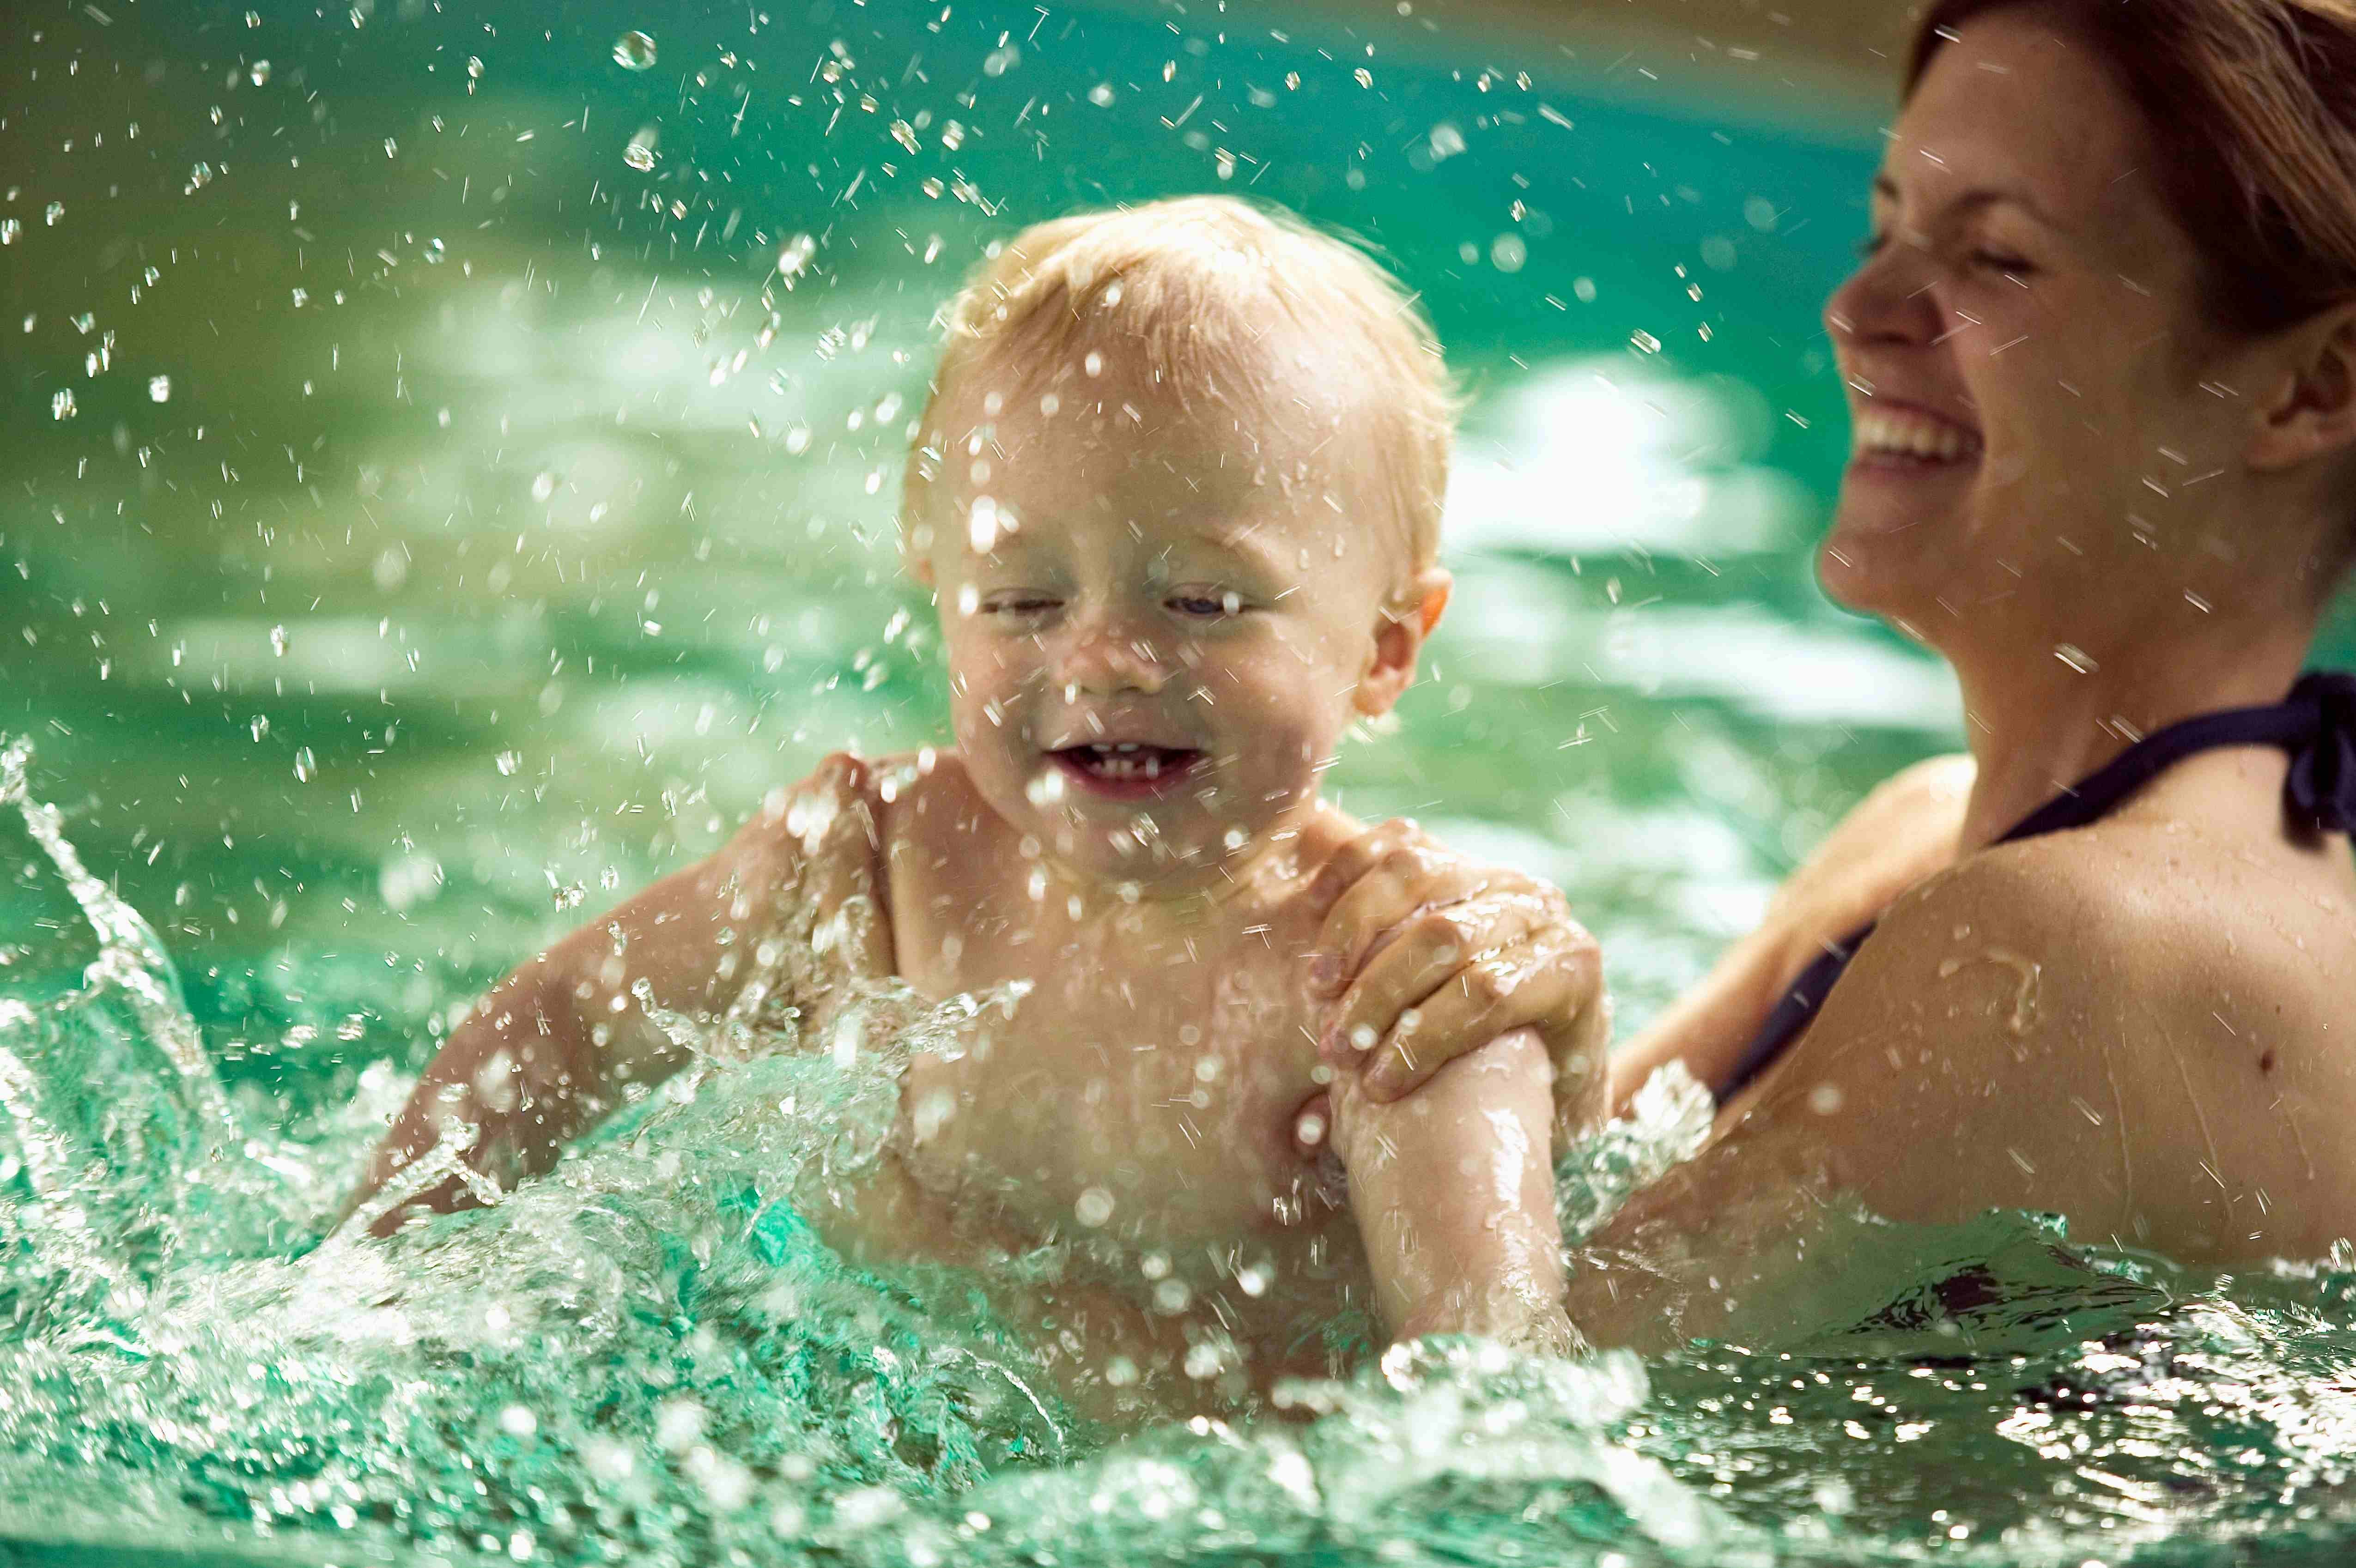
917 552
1406 620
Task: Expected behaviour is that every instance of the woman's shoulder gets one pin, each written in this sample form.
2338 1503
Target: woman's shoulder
2156 905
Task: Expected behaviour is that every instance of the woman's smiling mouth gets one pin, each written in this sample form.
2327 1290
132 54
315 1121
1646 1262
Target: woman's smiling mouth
1126 770
1905 438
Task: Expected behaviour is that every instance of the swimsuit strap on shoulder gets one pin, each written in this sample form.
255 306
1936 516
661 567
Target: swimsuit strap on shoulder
2315 724
2321 789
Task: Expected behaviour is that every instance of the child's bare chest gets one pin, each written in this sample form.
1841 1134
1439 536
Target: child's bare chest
1144 1085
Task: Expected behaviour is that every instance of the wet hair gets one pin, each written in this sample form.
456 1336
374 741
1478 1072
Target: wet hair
2251 107
1233 305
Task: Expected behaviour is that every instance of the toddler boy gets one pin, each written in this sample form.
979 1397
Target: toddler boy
1176 494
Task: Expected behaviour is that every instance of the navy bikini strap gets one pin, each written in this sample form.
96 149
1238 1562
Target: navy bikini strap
2315 724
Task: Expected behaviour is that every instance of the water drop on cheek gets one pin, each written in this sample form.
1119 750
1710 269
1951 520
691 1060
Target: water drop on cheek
1092 364
968 600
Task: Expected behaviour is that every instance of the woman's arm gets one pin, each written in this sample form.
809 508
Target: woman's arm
1909 827
554 1047
1453 1189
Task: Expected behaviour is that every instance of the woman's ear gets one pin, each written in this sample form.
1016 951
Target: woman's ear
1406 619
2312 413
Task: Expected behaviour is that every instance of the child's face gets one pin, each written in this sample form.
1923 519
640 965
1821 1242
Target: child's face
1157 624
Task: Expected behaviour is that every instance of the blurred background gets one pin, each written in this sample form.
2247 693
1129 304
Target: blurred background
453 447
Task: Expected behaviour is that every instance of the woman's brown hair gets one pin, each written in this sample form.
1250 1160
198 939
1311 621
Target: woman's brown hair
2253 106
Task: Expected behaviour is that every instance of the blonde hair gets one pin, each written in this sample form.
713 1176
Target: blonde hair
1197 283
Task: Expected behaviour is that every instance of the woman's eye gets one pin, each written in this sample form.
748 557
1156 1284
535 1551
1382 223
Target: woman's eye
1205 605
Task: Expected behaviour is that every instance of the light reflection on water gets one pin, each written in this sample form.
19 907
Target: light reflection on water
416 624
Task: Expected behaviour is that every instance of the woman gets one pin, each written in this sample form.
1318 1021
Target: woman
2100 356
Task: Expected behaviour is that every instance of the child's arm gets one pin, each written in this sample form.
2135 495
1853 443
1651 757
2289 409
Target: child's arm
1453 1188
554 1046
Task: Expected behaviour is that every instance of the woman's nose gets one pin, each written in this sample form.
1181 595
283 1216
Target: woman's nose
1107 653
1892 298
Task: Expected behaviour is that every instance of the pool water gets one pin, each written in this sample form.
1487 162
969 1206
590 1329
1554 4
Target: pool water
451 482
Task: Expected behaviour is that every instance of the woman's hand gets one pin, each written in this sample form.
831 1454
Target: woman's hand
1428 954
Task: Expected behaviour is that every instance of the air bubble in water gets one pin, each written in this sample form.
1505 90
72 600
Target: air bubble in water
543 485
391 148
1046 789
56 210
9 229
473 67
253 18
1101 95
1001 60
434 253
1507 252
795 255
306 767
159 388
633 51
259 72
1092 364
278 642
508 763
61 404
641 153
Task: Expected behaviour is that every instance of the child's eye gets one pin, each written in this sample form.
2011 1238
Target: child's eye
2010 266
1205 605
1018 605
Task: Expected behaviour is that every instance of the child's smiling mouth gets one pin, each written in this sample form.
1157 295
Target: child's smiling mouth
1126 770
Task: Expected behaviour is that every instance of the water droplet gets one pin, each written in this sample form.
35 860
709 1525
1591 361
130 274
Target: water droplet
1094 1208
9 229
2076 658
435 253
633 51
1001 60
543 485
391 148
306 767
1092 364
1447 141
1644 342
795 255
1101 95
982 525
905 134
54 211
641 153
253 18
1046 789
1507 252
508 763
278 642
259 72
61 404
159 388
952 136
260 725
475 68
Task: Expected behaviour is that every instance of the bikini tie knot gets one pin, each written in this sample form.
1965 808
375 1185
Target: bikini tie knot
2321 789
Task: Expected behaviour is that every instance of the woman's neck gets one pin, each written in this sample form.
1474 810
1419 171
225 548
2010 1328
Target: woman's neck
2040 717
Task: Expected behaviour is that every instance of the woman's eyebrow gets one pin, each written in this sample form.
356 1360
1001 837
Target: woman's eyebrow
1979 196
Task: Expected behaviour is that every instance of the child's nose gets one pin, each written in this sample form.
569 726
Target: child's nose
1109 654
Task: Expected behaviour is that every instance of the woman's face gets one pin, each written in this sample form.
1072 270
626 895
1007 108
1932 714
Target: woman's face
2028 374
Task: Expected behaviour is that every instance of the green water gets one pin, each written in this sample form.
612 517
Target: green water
453 525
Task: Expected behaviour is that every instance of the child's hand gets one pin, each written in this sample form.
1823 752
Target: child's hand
1428 954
